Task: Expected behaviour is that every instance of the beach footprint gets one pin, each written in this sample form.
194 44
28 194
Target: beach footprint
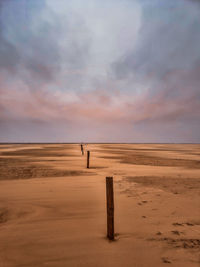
4 213
175 232
165 260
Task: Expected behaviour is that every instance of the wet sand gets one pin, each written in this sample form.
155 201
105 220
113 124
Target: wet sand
53 209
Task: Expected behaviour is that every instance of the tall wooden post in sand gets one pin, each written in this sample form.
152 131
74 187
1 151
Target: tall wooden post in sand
82 149
110 208
88 159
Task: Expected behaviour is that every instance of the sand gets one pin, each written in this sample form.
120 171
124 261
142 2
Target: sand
53 209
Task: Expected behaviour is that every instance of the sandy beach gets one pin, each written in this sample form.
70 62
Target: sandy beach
53 209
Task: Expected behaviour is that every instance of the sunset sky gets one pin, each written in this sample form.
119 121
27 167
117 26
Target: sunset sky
99 71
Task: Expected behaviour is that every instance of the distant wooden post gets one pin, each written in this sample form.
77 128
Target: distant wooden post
110 208
88 159
82 149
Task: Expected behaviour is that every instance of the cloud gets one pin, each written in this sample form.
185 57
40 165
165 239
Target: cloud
9 57
168 40
99 70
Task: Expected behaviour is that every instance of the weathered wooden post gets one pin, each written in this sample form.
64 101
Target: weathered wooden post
82 149
88 159
110 208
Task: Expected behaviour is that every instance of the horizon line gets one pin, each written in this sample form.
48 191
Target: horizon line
2 143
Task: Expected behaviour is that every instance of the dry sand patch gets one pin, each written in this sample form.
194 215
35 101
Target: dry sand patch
134 156
62 221
176 185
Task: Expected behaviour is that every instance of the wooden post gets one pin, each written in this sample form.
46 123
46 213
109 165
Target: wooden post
88 159
110 208
82 149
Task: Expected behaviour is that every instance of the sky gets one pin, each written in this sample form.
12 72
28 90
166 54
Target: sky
100 71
